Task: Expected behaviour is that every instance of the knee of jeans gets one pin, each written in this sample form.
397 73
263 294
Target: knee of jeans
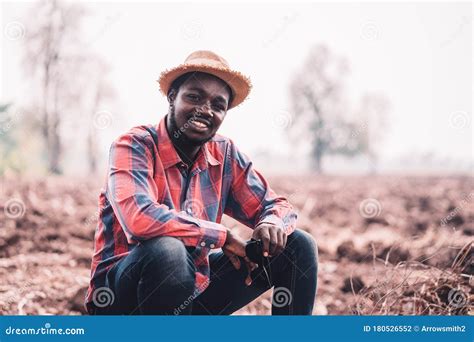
169 255
304 243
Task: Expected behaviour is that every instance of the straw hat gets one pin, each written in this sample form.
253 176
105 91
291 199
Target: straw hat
211 63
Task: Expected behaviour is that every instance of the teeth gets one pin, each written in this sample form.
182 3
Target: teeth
199 124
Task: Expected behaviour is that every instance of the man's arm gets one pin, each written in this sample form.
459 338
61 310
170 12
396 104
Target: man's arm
252 202
132 193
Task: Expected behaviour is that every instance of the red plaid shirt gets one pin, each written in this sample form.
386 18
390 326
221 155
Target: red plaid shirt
148 193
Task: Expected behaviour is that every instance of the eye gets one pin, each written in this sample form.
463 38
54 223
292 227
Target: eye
218 107
193 97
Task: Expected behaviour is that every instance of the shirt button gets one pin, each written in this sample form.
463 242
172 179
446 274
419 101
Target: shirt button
203 244
212 245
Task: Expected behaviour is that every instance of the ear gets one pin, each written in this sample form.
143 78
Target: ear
171 96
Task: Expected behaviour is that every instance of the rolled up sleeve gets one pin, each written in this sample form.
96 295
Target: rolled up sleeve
251 201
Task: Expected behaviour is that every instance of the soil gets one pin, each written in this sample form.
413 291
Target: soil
387 244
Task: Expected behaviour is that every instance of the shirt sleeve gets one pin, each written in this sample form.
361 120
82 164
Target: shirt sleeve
133 193
251 201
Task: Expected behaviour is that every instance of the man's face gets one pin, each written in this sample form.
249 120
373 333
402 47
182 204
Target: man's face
199 108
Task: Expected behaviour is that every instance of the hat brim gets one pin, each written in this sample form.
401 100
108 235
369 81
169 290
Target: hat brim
239 84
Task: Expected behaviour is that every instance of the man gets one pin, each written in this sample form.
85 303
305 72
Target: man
160 212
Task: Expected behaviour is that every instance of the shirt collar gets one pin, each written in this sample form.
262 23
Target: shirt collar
169 157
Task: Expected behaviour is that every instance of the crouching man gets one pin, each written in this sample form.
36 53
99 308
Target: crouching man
168 186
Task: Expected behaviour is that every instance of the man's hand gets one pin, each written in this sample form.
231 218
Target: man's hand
234 244
273 238
234 248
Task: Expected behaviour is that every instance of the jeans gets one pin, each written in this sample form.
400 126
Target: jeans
158 277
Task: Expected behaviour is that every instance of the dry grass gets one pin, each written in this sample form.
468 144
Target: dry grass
401 261
414 288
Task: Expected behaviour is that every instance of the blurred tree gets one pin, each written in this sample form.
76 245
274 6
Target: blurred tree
320 112
49 46
20 143
97 90
7 141
70 78
371 118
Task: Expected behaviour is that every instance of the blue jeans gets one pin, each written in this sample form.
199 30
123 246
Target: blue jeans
158 276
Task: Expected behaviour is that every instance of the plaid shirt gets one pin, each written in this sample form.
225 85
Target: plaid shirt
150 193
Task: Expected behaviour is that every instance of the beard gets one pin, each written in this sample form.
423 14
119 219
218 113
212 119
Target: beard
179 136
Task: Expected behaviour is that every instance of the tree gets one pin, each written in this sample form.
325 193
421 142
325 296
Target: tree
7 142
96 91
372 116
71 79
320 110
49 44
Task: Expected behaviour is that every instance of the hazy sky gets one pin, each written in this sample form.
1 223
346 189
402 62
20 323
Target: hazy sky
418 55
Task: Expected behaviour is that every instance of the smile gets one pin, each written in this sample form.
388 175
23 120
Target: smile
199 123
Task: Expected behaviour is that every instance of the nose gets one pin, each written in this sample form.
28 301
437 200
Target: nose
205 110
